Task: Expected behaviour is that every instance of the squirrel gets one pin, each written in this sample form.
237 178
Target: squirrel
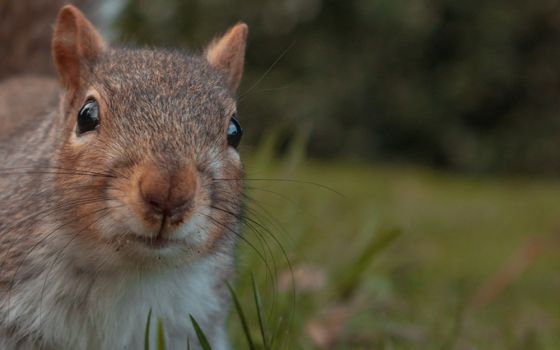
121 189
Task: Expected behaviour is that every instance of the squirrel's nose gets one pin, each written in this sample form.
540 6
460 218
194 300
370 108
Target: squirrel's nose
170 193
161 205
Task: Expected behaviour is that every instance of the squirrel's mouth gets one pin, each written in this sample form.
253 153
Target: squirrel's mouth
155 242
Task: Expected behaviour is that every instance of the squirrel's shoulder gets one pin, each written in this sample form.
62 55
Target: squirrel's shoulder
25 100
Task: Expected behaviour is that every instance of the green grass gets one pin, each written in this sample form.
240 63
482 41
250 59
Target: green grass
419 290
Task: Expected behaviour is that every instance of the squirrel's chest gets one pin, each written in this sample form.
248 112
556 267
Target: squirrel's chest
111 313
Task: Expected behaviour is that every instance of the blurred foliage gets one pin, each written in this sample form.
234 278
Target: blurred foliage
464 85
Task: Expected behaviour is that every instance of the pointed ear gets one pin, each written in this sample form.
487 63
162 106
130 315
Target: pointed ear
228 53
75 46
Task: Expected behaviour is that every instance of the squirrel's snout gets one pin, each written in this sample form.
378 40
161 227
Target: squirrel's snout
171 207
168 193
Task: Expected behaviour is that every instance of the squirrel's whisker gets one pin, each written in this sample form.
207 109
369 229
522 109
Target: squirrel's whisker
243 95
241 237
56 170
245 219
316 184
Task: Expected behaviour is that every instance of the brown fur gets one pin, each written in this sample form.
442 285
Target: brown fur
228 53
160 151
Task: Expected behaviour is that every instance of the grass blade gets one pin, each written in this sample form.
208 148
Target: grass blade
262 321
242 318
276 332
160 335
200 335
147 331
356 271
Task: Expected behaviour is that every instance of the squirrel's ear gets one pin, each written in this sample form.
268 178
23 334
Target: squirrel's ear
75 45
228 53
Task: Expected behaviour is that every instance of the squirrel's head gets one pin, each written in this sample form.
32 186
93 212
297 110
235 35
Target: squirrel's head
157 132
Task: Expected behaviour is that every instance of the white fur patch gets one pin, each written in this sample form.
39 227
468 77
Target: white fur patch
68 310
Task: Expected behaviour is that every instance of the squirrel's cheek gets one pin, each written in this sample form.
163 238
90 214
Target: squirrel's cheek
194 231
233 154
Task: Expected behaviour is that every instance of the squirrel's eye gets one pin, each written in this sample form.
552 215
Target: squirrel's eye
234 132
88 117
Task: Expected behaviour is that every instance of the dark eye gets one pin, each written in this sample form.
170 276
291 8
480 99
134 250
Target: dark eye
234 132
88 117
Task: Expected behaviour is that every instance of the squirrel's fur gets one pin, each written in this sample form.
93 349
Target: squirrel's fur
83 256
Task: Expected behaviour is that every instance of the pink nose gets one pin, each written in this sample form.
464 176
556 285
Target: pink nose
163 204
170 193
